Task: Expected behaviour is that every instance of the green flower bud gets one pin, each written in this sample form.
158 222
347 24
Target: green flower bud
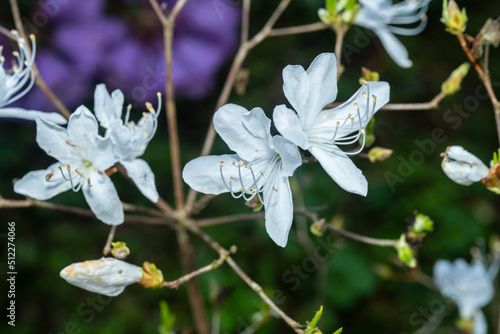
120 250
368 75
423 224
454 19
452 84
405 253
151 276
378 154
318 228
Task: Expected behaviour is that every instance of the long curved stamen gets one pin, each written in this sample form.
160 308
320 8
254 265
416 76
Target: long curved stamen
362 145
23 71
230 181
410 31
244 191
69 178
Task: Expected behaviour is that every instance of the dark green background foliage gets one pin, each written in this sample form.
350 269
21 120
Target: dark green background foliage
343 280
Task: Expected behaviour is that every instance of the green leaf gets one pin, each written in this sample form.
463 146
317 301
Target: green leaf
339 331
331 5
311 328
167 319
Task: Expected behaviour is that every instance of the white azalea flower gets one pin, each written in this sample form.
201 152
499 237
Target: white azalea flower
83 157
130 139
381 16
322 131
261 166
469 286
107 276
462 166
16 82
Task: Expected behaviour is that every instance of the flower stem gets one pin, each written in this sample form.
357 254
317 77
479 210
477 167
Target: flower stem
111 236
361 238
215 264
485 78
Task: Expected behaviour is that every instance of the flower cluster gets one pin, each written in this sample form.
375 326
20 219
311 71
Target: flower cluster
85 158
263 163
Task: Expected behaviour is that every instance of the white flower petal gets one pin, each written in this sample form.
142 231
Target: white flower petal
342 170
394 48
367 108
103 199
462 166
278 209
32 115
322 75
107 276
103 155
480 325
142 175
82 127
232 123
203 174
289 155
35 185
3 85
107 108
53 140
296 87
288 124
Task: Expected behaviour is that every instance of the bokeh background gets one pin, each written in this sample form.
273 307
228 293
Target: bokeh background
119 43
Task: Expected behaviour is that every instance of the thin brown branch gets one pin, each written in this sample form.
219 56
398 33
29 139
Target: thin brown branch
485 78
215 264
229 219
361 238
306 28
432 104
137 208
252 284
340 32
107 247
245 21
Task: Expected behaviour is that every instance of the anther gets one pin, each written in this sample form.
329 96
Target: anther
88 181
100 172
365 83
356 106
70 143
78 172
68 167
442 155
365 95
222 163
49 176
242 162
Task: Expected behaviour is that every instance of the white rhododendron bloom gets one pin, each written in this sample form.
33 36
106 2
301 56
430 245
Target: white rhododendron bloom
17 81
82 160
462 166
130 139
469 286
107 276
260 167
383 18
323 131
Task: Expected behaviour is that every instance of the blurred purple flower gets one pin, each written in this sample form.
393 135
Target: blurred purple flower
84 43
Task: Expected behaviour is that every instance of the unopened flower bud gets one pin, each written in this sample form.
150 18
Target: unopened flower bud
107 276
318 228
378 154
405 253
120 250
462 166
151 276
368 75
454 81
423 224
454 19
